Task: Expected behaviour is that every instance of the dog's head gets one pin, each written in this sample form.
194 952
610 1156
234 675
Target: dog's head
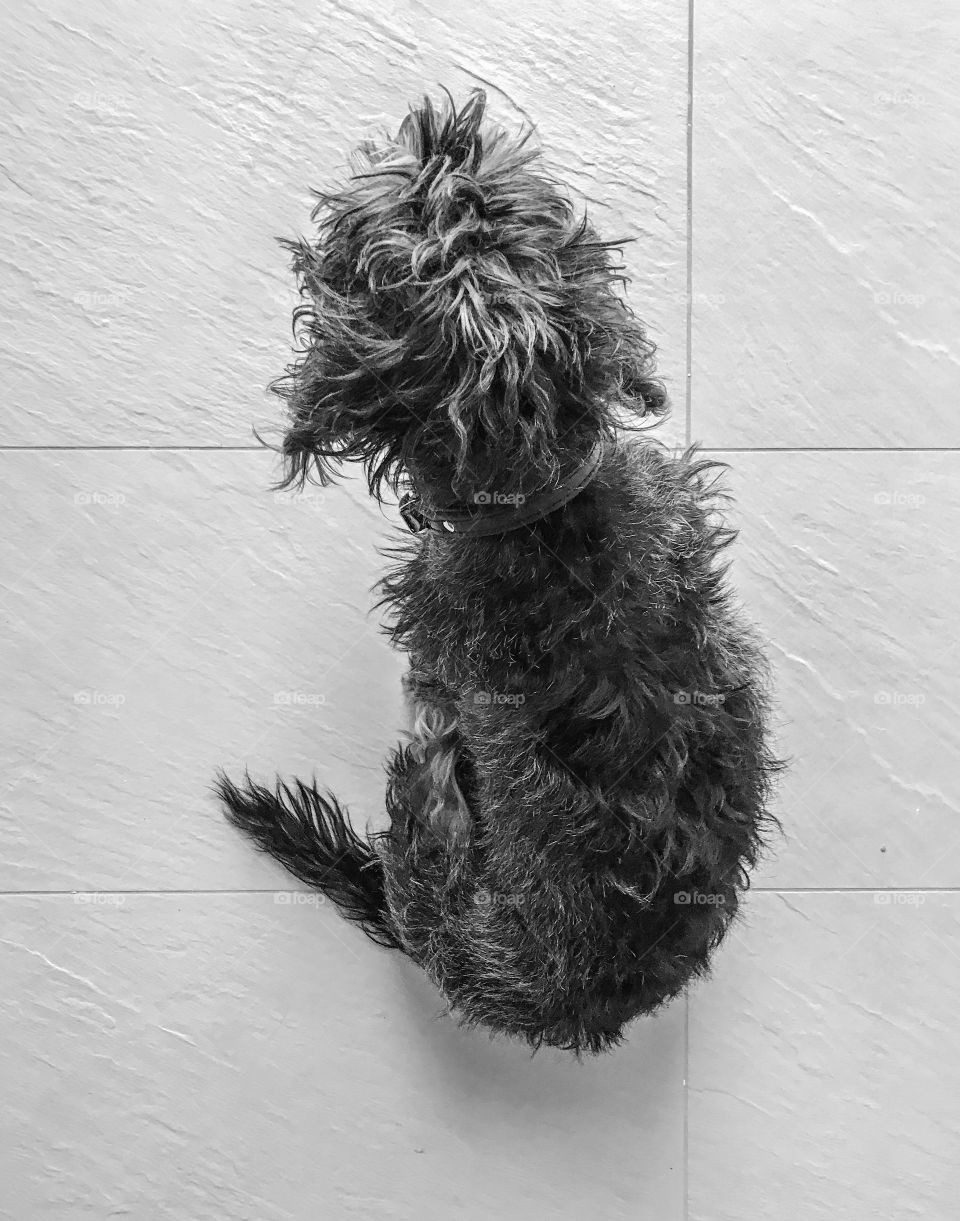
458 322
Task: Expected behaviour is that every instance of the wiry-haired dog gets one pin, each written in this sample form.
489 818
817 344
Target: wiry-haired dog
572 821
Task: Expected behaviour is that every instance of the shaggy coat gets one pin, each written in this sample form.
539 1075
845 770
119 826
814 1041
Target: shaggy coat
573 820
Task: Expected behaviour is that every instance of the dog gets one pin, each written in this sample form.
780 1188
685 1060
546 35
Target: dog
587 781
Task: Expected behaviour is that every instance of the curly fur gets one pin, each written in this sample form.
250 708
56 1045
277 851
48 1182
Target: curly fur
585 789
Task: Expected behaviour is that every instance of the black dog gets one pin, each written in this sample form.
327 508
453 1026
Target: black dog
572 822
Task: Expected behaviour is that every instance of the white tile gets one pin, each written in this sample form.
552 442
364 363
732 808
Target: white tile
230 1058
168 615
825 243
848 562
159 152
823 1074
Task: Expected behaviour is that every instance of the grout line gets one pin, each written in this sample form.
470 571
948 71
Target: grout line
271 890
714 449
832 449
854 890
689 354
686 1104
148 448
55 894
689 438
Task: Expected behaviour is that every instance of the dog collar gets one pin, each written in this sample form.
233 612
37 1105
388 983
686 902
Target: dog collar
481 520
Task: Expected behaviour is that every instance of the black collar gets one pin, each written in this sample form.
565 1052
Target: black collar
491 517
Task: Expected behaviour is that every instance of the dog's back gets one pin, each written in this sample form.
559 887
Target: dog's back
585 788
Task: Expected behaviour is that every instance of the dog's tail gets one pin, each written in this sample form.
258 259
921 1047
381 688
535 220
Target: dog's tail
311 837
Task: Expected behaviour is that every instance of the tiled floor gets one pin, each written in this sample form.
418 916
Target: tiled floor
181 1039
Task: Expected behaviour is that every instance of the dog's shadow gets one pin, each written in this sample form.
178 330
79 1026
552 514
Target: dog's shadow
494 1075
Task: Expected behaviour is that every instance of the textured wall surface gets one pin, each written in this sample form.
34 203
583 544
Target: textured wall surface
181 1035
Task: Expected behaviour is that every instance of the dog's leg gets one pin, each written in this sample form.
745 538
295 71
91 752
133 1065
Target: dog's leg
434 765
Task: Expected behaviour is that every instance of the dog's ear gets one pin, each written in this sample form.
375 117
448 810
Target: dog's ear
338 389
456 314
